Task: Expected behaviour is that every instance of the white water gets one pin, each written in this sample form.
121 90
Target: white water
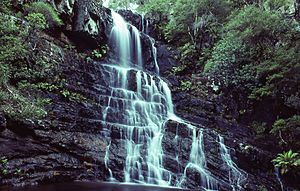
120 35
279 179
142 111
197 159
137 46
154 52
139 104
145 25
235 175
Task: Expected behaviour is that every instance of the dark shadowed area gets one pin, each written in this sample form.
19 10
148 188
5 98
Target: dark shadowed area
87 186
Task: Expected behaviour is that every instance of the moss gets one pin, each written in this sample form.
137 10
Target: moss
48 11
17 106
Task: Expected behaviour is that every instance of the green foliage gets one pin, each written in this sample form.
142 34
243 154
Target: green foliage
72 96
188 50
48 11
100 52
259 127
5 6
12 37
20 107
48 87
159 6
287 161
255 51
117 4
278 126
3 166
97 54
178 69
20 63
65 93
255 25
284 6
262 188
3 160
185 85
261 92
288 131
36 21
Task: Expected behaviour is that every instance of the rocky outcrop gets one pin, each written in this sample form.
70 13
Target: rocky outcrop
87 23
132 18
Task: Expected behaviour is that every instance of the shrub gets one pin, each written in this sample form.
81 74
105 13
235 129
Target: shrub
259 127
12 35
48 11
278 126
288 130
287 161
36 21
5 6
185 85
17 106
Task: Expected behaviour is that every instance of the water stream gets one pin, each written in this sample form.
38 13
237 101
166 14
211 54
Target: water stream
139 104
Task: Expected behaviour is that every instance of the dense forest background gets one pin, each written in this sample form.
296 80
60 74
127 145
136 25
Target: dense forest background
246 51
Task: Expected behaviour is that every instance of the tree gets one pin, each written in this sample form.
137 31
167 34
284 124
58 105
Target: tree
253 37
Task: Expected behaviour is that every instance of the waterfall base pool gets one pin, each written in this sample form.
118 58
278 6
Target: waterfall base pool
89 186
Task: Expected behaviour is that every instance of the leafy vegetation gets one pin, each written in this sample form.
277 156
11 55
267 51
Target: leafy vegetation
287 161
36 21
259 128
287 131
20 62
3 166
99 53
185 85
51 16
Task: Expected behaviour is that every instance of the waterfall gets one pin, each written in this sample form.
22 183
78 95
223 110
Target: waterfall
198 160
139 104
145 25
235 175
120 35
277 174
154 52
142 110
137 46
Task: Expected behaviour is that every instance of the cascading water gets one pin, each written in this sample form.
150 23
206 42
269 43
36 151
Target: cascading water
142 110
121 35
198 161
137 46
236 177
139 104
145 25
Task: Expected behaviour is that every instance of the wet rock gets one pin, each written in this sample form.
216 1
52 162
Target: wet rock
167 57
2 122
91 24
132 18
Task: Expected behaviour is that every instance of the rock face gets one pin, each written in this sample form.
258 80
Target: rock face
71 143
88 24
